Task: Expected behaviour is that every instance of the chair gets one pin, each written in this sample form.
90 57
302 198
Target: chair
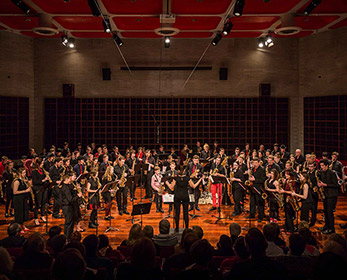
165 251
125 250
15 252
228 263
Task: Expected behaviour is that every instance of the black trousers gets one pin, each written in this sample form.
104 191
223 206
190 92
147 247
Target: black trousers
238 200
40 200
306 207
9 200
329 204
69 220
197 194
132 190
121 196
177 205
57 200
314 209
226 198
158 200
256 201
290 217
273 206
149 190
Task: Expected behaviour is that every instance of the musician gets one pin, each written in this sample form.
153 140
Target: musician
39 179
139 154
216 148
299 159
148 159
236 154
247 150
88 153
21 191
104 153
262 149
80 149
292 160
93 189
115 154
80 167
161 150
277 158
197 148
184 155
105 163
108 195
284 154
4 159
68 202
48 163
131 162
66 166
216 189
275 150
172 172
331 190
206 153
75 190
290 201
304 166
55 175
336 165
313 174
242 164
238 190
305 195
194 170
179 186
122 170
157 188
271 165
261 158
272 184
7 177
66 150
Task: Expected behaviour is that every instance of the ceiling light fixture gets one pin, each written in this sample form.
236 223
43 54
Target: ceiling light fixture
167 41
21 5
118 40
94 7
238 9
216 39
64 40
106 24
311 6
227 28
71 43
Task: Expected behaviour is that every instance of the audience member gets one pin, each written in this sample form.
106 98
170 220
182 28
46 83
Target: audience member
278 240
272 249
14 238
310 249
164 238
6 263
76 236
329 266
56 245
148 231
235 231
105 250
53 231
224 247
199 231
135 234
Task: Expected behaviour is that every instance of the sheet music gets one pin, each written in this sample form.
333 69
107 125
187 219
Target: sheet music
191 198
168 198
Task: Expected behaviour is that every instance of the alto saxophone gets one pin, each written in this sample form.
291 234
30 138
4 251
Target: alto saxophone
276 196
317 189
122 180
195 173
292 200
225 161
47 175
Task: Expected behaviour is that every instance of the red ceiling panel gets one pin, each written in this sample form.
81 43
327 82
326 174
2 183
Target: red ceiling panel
91 35
7 7
314 22
197 23
243 35
253 23
298 35
194 35
327 7
134 7
145 35
2 28
339 24
61 7
80 22
211 7
34 35
271 7
22 23
137 23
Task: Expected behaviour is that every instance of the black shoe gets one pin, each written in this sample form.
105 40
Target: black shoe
151 199
111 217
107 218
58 216
157 211
91 225
49 212
134 198
161 210
234 214
145 197
7 215
190 209
260 220
121 213
126 212
197 208
343 226
328 231
213 208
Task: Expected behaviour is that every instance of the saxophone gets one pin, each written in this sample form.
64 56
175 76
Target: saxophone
133 168
278 197
293 200
317 189
195 173
122 180
47 175
249 183
214 172
29 184
225 161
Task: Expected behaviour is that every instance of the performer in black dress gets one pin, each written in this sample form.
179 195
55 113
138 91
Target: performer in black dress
180 186
237 178
20 198
108 196
7 177
272 184
93 186
305 195
194 170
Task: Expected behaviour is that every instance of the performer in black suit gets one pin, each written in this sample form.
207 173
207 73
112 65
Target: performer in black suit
194 167
131 162
55 175
172 172
148 159
121 170
237 179
93 186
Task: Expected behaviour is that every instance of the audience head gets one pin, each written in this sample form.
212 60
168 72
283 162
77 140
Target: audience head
53 231
103 241
57 244
13 229
143 254
135 233
235 230
225 244
148 231
297 244
337 246
164 226
35 243
256 242
91 243
76 245
6 262
189 239
201 252
199 231
240 248
69 265
329 266
76 235
270 232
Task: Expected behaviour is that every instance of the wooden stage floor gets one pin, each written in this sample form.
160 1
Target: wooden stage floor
212 230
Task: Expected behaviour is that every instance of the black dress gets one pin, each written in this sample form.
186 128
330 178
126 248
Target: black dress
38 176
181 197
21 207
273 204
94 201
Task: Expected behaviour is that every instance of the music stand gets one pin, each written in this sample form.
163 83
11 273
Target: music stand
141 209
130 183
107 188
162 157
192 200
141 167
219 180
45 187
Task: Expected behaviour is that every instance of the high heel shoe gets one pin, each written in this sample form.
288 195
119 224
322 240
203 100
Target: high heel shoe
43 219
36 222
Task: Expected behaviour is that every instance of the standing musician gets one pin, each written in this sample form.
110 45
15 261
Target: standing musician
313 175
205 153
93 189
157 188
90 163
277 158
49 161
105 163
271 164
216 189
305 195
108 196
7 177
121 170
247 151
131 162
194 170
197 148
21 189
148 159
172 172
275 150
67 166
68 202
336 165
55 175
272 184
76 189
179 186
237 178
284 154
290 201
39 178
257 177
236 154
331 190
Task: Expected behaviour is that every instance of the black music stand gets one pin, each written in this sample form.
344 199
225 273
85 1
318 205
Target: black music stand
45 187
162 156
219 180
107 188
141 209
141 167
131 183
163 180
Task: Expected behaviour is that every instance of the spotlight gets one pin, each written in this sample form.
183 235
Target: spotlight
268 41
261 42
106 24
227 28
64 40
94 7
238 9
167 41
21 5
216 39
71 43
311 6
118 40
